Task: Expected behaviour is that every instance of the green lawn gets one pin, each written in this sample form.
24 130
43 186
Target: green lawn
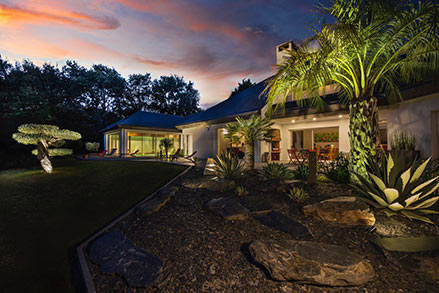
44 217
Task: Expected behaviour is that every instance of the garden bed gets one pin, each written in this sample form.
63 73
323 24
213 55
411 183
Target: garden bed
201 251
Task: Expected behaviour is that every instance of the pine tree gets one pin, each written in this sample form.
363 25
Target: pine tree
45 136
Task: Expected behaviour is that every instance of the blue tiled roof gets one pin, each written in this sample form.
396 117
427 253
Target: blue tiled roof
244 102
148 119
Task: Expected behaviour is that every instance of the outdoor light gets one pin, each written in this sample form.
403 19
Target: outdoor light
293 121
339 116
314 118
225 131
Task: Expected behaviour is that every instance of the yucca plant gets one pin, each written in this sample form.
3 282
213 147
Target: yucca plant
275 171
252 130
298 194
396 190
228 167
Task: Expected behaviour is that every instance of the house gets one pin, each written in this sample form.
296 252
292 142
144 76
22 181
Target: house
298 127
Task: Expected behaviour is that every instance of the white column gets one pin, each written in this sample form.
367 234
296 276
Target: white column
105 142
123 142
190 143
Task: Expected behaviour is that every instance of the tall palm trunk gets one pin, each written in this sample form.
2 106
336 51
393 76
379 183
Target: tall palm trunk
363 134
43 156
250 154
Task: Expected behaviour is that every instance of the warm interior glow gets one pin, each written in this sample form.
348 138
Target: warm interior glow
314 118
339 116
293 121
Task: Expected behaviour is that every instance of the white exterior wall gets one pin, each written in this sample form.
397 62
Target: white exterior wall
413 116
203 140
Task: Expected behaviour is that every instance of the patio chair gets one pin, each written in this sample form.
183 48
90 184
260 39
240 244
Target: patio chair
175 156
112 152
190 156
133 153
101 154
293 158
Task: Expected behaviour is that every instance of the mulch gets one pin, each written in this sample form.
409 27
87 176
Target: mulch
202 252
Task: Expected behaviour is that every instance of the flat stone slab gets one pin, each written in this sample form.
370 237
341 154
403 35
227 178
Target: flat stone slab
311 262
218 185
280 222
153 205
114 253
343 211
228 208
256 204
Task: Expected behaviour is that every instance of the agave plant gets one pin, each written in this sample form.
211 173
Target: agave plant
298 194
275 171
396 190
228 167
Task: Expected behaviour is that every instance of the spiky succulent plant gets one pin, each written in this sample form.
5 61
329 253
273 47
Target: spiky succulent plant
275 171
396 190
228 166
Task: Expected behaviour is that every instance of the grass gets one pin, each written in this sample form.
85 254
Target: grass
43 217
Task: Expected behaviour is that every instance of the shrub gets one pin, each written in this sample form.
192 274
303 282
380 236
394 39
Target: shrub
301 172
337 170
396 190
275 171
241 191
92 146
402 141
228 167
298 194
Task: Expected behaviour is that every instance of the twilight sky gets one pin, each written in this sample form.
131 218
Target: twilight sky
214 43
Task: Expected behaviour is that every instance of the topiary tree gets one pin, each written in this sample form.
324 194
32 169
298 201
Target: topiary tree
45 136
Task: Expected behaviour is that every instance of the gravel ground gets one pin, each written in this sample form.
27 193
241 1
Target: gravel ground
202 252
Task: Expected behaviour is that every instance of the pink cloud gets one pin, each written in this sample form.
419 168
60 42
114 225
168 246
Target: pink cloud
15 14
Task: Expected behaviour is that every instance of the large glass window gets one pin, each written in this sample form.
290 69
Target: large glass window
148 144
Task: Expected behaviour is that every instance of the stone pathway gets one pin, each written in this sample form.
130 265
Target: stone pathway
114 253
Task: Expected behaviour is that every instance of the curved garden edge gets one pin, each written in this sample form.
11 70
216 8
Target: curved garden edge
85 272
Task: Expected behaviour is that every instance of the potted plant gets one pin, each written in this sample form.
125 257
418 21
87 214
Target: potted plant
91 147
404 144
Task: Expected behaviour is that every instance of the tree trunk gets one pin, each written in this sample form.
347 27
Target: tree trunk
363 134
43 156
250 155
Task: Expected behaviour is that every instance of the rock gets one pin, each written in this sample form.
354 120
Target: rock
209 168
114 253
343 210
169 190
256 204
153 205
310 262
193 183
228 208
279 221
219 185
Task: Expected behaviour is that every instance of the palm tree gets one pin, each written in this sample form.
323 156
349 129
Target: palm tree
166 144
371 50
252 130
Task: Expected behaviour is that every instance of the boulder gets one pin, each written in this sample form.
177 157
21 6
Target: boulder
344 211
193 183
153 205
279 221
228 208
219 185
310 262
114 253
